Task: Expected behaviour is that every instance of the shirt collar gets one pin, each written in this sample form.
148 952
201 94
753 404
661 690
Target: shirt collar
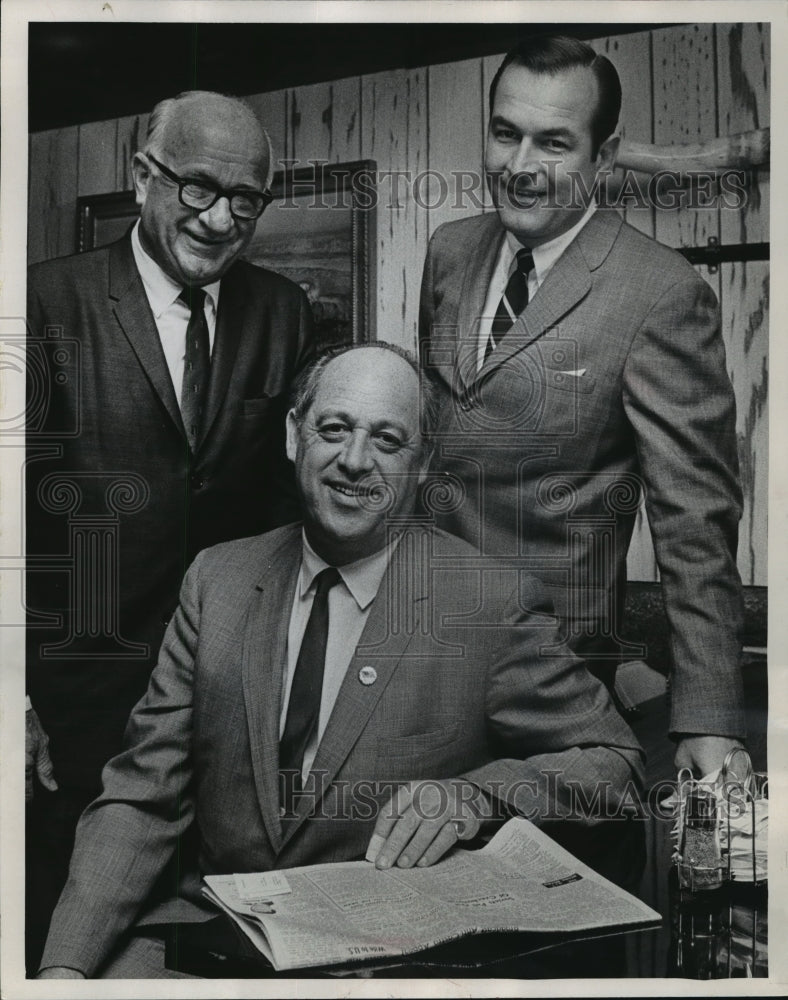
548 253
161 290
362 578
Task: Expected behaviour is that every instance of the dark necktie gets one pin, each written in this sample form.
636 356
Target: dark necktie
513 300
303 708
197 364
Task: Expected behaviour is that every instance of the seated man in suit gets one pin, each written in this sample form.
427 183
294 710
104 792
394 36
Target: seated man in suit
315 674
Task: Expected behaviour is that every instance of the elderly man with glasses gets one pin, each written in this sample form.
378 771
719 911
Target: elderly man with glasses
167 361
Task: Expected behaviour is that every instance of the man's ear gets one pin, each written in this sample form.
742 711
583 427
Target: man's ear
606 157
141 175
291 426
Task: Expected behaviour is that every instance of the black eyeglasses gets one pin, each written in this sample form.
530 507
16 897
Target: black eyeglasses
202 195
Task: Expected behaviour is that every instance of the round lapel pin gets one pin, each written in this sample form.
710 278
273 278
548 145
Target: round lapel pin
367 675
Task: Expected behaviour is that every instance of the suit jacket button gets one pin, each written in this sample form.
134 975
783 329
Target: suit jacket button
367 675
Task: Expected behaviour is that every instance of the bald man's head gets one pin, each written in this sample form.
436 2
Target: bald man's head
197 108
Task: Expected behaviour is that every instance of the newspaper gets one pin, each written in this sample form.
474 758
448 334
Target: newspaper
522 881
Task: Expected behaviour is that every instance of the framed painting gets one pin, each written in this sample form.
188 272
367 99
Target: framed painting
319 231
104 218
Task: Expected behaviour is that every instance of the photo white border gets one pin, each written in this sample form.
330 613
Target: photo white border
16 14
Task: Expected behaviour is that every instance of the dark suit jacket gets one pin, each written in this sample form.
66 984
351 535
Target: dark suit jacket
113 487
551 463
460 688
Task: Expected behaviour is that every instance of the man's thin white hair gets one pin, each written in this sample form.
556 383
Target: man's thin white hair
165 111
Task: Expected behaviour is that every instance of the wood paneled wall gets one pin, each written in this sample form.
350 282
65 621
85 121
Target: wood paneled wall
680 84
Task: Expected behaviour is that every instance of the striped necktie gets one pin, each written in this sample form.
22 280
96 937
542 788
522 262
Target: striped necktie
513 300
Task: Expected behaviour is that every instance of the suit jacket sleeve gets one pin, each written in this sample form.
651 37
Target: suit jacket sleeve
126 837
565 752
426 303
282 503
53 413
680 403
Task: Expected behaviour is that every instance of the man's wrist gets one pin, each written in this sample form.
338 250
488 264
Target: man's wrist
488 809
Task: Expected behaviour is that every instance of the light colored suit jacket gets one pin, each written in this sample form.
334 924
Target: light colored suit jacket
611 383
460 688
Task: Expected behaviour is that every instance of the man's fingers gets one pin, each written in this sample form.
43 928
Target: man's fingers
468 827
399 837
45 770
37 759
430 842
392 811
419 824
387 820
411 837
30 763
446 839
432 805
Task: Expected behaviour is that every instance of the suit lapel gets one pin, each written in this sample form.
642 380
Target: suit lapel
568 282
133 313
264 658
229 331
475 284
381 648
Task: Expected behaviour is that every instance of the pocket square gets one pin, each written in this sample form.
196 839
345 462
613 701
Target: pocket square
576 374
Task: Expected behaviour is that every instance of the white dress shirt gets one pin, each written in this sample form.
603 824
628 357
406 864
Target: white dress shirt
169 312
544 257
349 604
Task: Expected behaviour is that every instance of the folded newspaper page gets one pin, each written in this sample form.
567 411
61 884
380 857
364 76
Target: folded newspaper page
522 881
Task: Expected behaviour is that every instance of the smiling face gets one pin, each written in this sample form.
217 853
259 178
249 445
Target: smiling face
207 140
358 453
538 155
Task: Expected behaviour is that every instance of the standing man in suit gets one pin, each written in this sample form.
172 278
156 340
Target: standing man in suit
162 433
582 366
307 674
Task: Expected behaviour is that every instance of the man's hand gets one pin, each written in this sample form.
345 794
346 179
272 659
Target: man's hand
59 972
422 821
37 755
703 754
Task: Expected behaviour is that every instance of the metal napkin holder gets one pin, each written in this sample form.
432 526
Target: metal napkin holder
713 816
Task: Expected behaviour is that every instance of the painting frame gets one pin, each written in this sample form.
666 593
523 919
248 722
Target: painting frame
346 188
101 218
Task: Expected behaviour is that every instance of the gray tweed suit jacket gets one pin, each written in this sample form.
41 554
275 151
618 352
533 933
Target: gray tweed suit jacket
460 687
612 384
